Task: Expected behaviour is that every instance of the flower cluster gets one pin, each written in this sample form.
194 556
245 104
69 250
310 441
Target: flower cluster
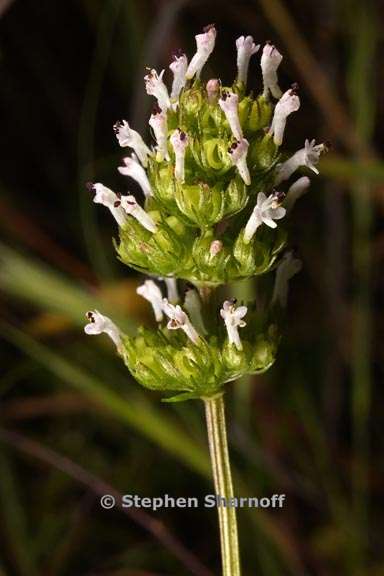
215 186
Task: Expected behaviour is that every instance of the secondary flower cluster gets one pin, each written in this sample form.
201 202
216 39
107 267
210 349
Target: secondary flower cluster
215 184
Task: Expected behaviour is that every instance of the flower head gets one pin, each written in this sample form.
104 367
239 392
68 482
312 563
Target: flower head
287 268
99 324
127 137
134 169
307 156
108 198
179 67
158 123
151 292
238 152
155 86
288 103
270 61
266 211
245 49
132 208
205 44
179 319
179 141
229 103
233 320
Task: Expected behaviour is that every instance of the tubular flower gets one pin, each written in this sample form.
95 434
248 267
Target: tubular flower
233 320
99 324
288 103
179 141
127 137
238 152
155 86
172 293
151 292
295 191
132 208
270 61
179 67
287 268
134 169
158 123
307 156
245 49
266 211
229 103
205 44
213 89
108 198
179 319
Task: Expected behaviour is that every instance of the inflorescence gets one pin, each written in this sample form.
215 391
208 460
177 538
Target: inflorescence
215 186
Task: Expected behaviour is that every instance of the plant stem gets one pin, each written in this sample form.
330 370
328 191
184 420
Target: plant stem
221 469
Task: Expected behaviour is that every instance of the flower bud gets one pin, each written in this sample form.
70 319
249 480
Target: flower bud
131 207
213 90
151 292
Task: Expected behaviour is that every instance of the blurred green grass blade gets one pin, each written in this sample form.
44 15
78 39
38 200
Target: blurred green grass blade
135 411
29 280
14 521
361 87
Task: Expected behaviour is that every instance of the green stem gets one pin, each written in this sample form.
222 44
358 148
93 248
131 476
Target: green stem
221 469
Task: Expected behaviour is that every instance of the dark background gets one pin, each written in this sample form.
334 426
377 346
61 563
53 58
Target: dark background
71 417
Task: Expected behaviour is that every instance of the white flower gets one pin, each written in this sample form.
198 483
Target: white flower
213 89
179 141
172 293
245 49
307 156
270 61
99 324
179 67
288 103
108 198
132 139
287 268
229 103
205 44
155 86
295 191
238 152
134 169
131 207
265 212
151 292
159 125
232 317
215 247
179 319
